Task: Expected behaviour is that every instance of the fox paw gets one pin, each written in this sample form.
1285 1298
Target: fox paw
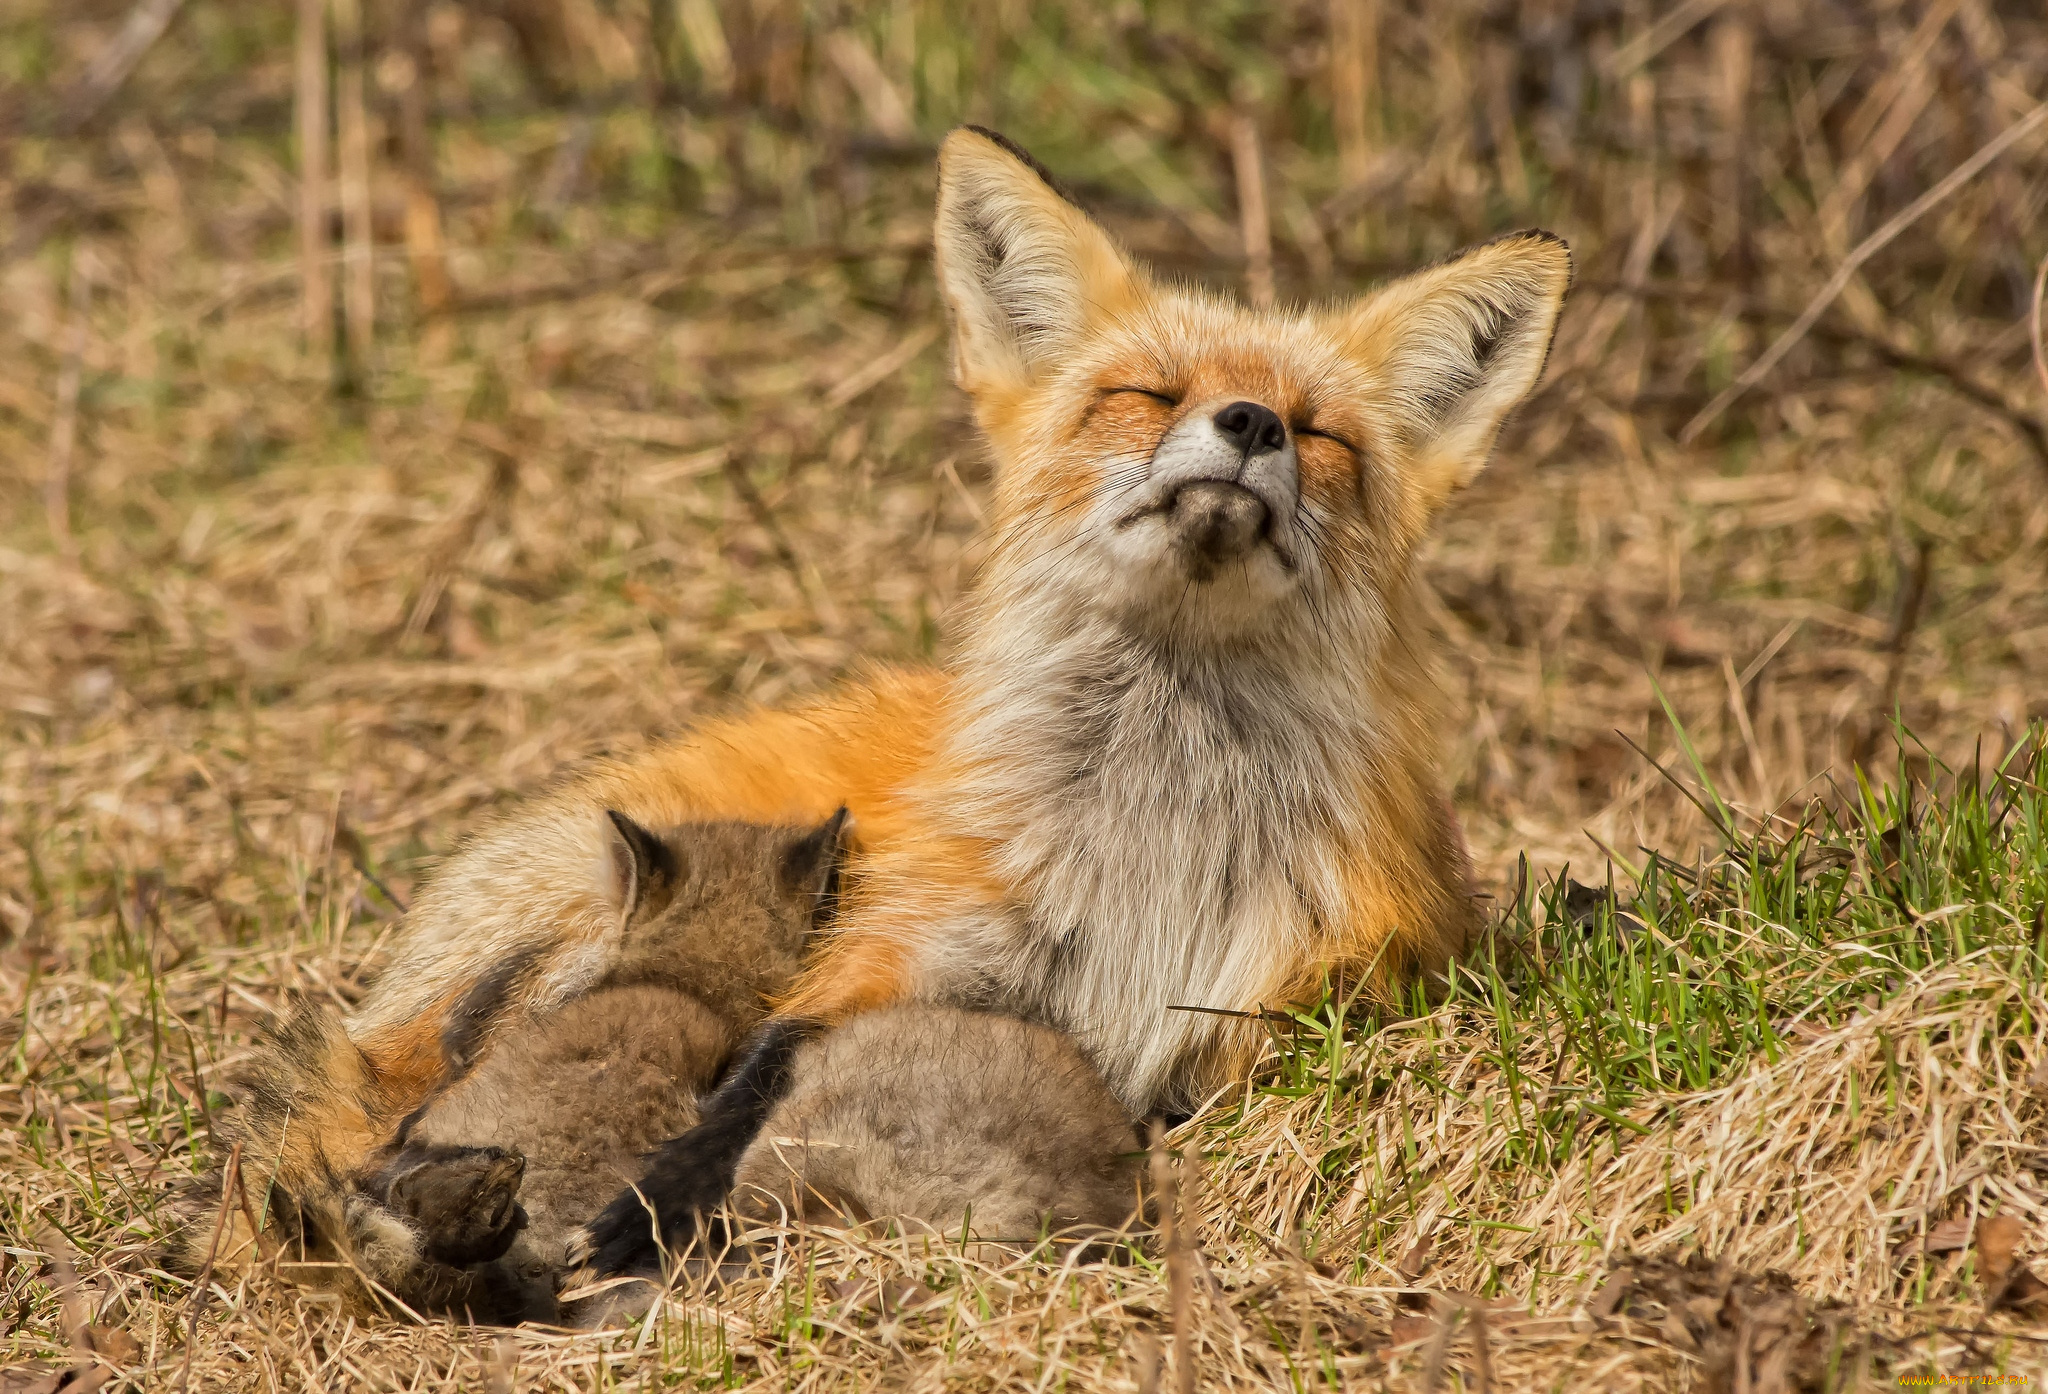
462 1200
687 1177
685 1183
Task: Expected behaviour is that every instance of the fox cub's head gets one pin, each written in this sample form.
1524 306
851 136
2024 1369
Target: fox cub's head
742 899
1191 468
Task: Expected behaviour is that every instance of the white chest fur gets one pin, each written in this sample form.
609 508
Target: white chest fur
1176 832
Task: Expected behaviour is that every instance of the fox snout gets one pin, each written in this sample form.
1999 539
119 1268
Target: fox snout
1224 482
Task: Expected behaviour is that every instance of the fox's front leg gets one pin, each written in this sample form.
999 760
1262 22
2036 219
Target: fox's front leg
688 1176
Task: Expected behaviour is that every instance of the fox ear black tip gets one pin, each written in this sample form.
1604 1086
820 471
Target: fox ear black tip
1021 156
810 862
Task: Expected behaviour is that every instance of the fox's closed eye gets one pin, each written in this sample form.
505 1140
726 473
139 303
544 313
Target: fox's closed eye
1165 398
1313 434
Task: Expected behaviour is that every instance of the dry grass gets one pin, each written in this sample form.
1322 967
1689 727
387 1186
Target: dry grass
274 625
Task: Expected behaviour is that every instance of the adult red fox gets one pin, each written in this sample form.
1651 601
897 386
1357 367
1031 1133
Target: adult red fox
1187 757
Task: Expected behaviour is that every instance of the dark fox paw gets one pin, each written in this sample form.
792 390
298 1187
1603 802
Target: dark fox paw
685 1182
623 1238
463 1200
688 1177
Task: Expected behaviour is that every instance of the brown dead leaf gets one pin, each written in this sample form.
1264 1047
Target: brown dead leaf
44 1378
1948 1236
38 1378
1997 1237
1409 1330
1816 860
1415 1262
2009 1285
1612 1292
113 1345
1750 1333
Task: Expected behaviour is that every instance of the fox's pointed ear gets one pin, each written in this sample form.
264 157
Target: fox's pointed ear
641 869
1023 270
810 865
1455 348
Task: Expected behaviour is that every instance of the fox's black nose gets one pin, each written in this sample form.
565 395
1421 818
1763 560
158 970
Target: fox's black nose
1254 429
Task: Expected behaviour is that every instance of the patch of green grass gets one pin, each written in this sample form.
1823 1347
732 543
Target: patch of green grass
1591 1012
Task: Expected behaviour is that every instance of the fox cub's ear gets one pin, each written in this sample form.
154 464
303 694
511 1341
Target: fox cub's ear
810 865
643 868
1456 347
1023 270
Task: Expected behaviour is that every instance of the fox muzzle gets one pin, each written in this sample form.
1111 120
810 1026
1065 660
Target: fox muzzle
1224 482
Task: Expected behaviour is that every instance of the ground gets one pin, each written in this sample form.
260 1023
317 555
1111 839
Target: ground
278 625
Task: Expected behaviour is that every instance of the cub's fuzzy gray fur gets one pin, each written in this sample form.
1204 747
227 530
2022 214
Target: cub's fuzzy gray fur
550 1108
954 1119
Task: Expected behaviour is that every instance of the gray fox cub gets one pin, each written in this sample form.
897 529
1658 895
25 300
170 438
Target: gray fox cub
949 1120
501 1166
964 1121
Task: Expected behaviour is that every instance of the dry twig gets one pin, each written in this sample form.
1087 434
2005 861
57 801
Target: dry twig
64 430
1254 218
1865 250
230 1176
316 291
1173 1242
2034 326
352 124
111 66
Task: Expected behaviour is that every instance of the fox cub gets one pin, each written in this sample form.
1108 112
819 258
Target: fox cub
1188 753
960 1121
547 1108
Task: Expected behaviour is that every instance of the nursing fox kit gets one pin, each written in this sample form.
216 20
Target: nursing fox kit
1187 757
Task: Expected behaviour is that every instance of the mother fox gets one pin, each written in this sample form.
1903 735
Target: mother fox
1187 757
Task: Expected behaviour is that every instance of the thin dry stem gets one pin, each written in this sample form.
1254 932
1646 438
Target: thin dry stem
310 116
1865 250
1255 219
352 124
2034 326
111 65
64 430
1354 57
231 1176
